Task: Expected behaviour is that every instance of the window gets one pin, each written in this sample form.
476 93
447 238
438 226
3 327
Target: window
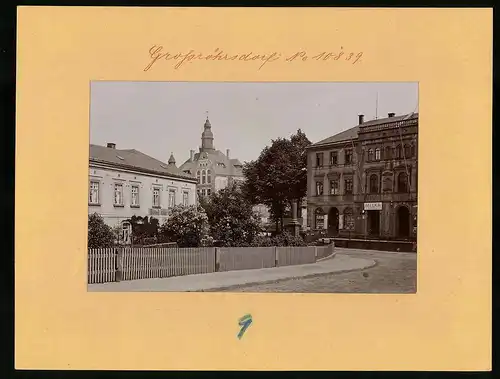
198 176
373 183
377 154
134 199
319 159
398 152
413 150
118 194
388 154
185 198
387 185
402 182
348 186
319 218
203 177
171 198
94 192
333 158
407 151
156 197
334 187
209 176
348 156
209 191
203 192
319 188
348 219
370 155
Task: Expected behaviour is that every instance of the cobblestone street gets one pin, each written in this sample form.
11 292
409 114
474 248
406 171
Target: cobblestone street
394 273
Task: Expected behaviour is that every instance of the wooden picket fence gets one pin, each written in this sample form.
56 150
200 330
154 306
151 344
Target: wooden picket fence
115 264
102 265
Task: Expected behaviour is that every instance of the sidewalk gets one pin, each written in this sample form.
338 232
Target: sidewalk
200 282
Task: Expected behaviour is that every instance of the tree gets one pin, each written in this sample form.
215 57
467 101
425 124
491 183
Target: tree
278 176
231 217
186 225
99 234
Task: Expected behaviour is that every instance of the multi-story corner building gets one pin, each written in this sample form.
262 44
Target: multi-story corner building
363 181
213 169
124 183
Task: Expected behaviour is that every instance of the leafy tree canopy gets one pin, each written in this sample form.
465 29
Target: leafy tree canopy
231 217
279 175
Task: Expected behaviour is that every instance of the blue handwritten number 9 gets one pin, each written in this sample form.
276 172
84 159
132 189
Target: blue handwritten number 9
244 323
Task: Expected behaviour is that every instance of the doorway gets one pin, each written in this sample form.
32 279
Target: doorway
403 222
373 223
333 221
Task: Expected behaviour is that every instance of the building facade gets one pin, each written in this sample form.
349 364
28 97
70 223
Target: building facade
213 169
124 183
362 182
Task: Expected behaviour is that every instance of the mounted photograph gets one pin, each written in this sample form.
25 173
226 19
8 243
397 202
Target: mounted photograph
289 187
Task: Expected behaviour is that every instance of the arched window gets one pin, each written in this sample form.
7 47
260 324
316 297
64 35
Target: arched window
203 177
373 183
402 182
370 154
348 219
387 185
388 154
407 151
198 176
398 152
319 218
377 154
209 176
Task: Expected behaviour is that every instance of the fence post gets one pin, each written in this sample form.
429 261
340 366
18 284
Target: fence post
315 252
217 259
118 265
275 256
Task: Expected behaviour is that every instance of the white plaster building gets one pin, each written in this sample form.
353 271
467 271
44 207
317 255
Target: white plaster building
123 183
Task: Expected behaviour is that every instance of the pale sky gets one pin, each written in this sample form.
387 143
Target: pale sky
158 118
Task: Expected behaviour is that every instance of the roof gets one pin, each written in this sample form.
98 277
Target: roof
352 133
135 159
229 167
342 136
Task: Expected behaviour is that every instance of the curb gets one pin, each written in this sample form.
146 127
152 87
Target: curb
332 255
214 289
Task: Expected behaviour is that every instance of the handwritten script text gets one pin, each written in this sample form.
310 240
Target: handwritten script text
157 54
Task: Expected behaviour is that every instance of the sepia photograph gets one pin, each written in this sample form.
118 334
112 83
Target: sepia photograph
264 187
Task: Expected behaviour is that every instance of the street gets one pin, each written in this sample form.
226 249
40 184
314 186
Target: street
394 273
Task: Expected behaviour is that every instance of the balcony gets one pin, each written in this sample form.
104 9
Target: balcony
387 197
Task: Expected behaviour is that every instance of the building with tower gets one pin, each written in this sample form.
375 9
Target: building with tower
213 169
362 182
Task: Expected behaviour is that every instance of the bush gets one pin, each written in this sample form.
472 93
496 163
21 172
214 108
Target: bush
99 234
186 225
282 239
287 239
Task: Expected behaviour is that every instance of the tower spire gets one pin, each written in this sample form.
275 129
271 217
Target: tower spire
207 137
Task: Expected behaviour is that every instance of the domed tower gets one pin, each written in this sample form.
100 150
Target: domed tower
207 137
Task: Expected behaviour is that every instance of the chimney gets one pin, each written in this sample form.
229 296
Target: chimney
192 155
111 145
391 114
361 118
227 153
